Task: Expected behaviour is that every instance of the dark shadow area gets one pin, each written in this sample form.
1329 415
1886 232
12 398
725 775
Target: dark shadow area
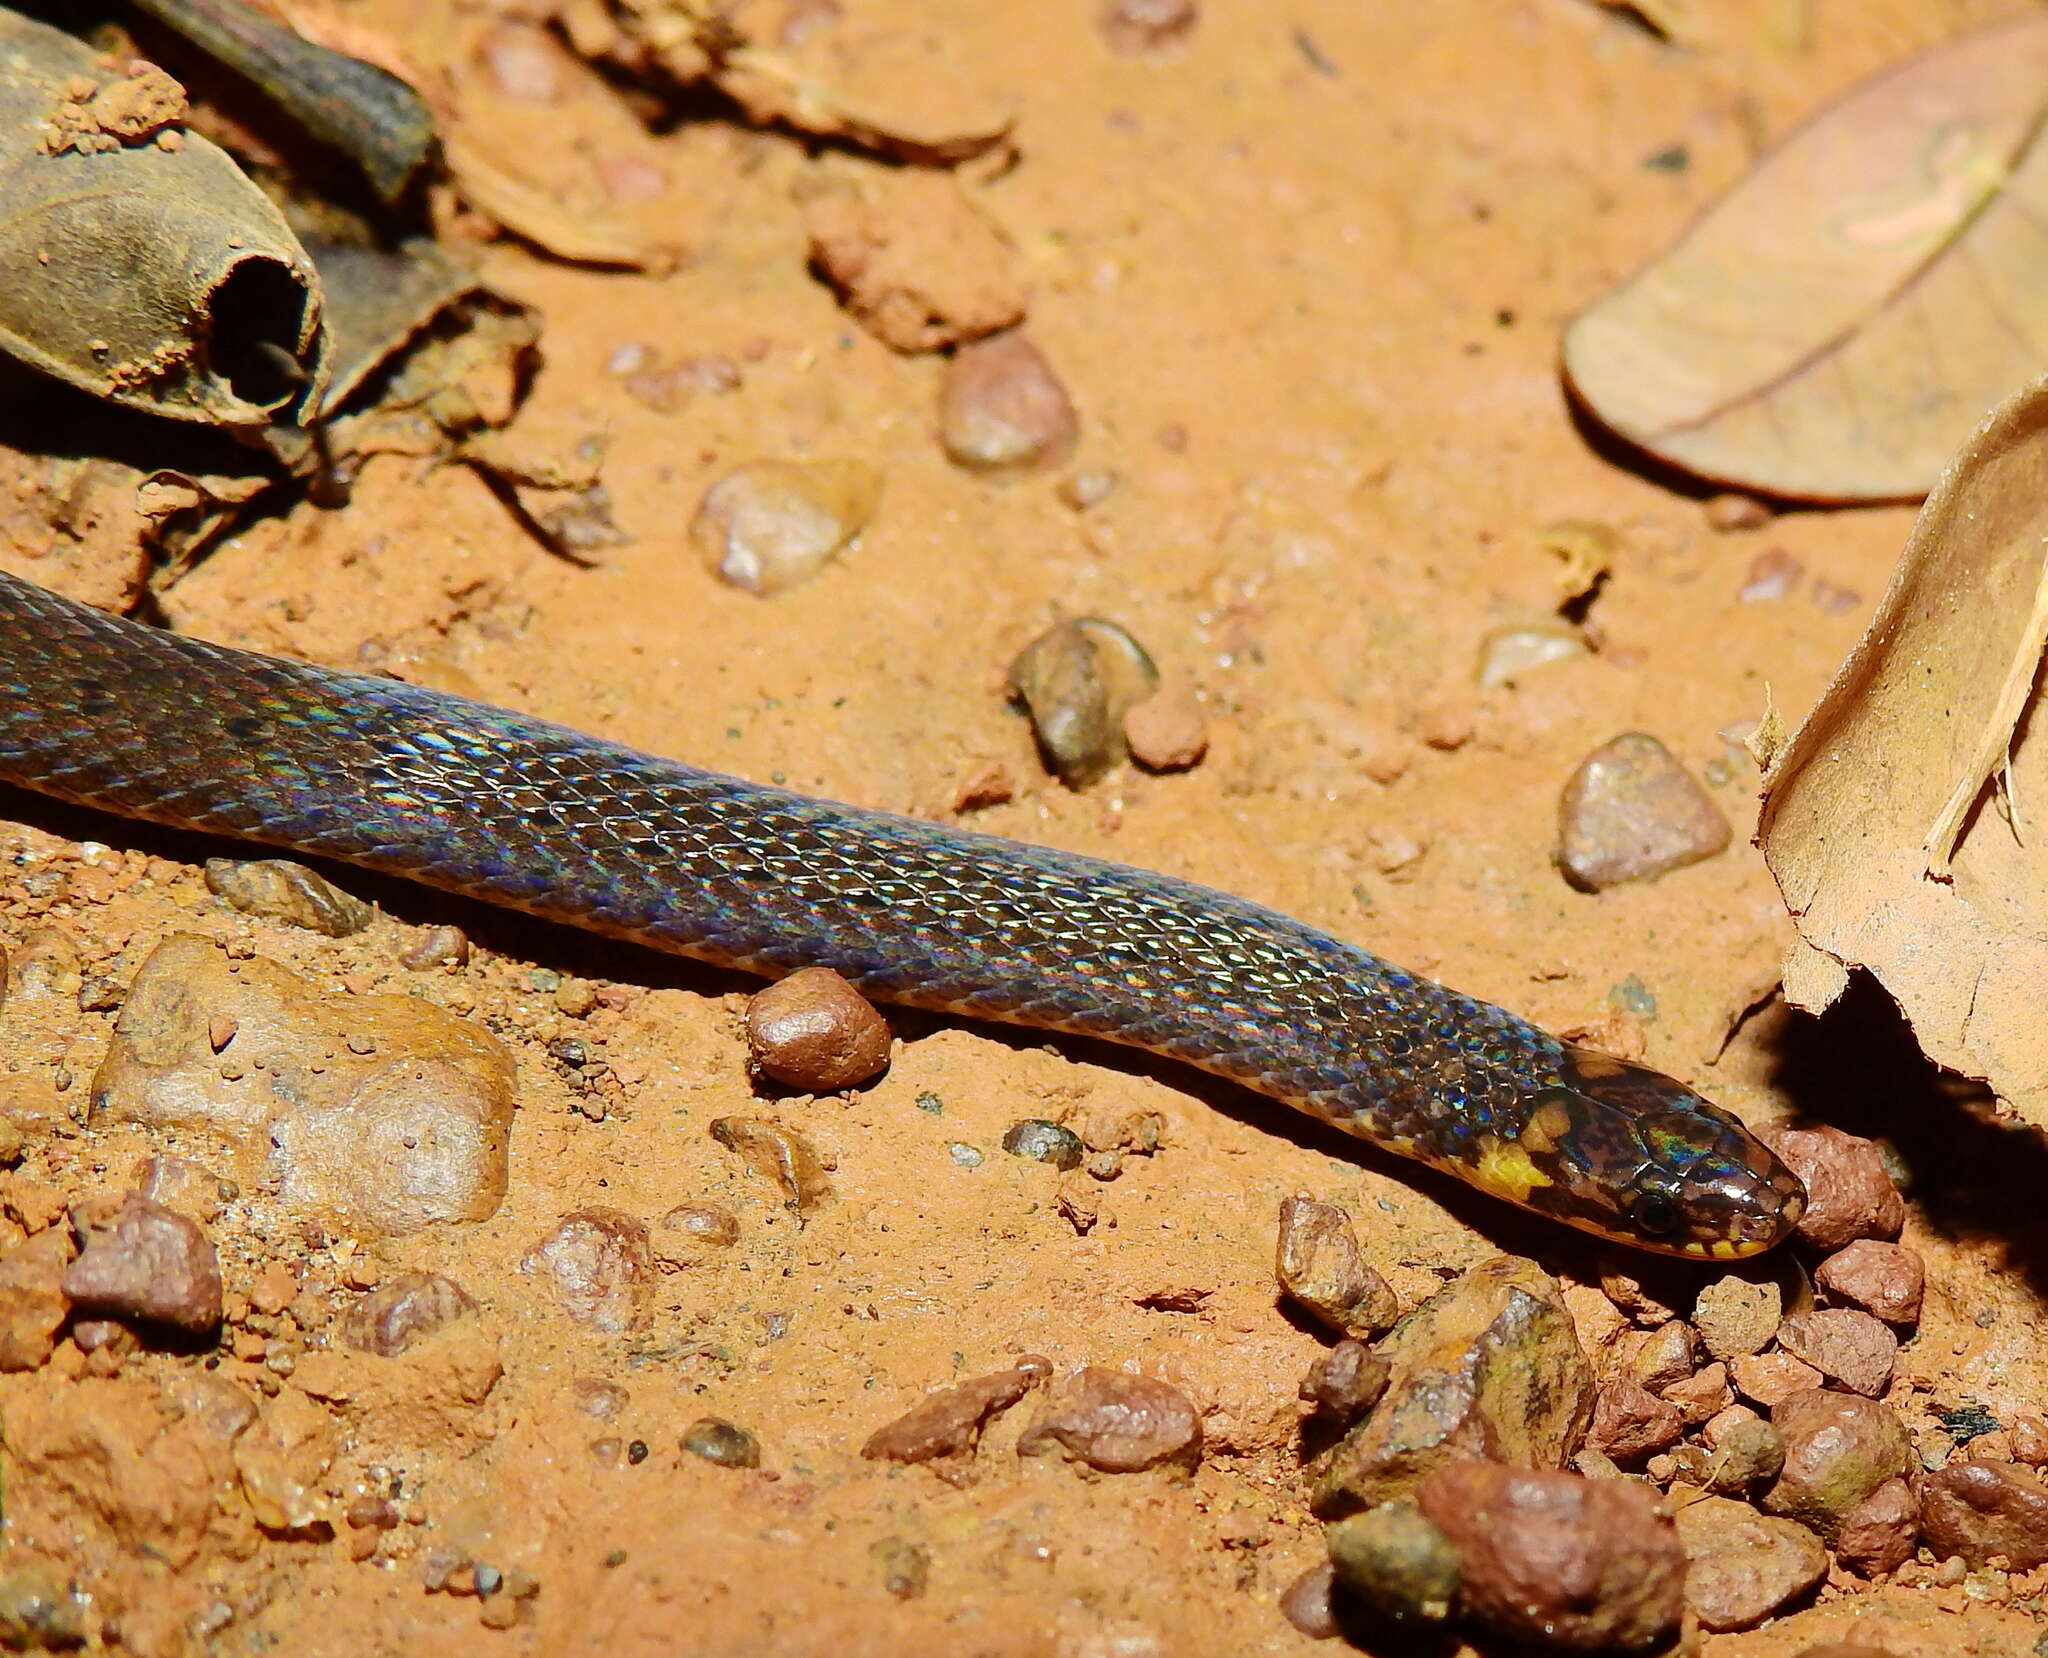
1975 1178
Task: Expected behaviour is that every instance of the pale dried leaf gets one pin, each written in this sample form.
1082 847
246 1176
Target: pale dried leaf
530 211
1930 739
1835 326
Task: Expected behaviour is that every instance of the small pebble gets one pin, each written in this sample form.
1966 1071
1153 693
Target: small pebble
1667 1354
1632 812
1846 1345
176 1183
1084 491
1001 406
1772 1378
1878 1534
1306 1603
598 1263
1741 1566
1509 655
948 1423
40 1611
1849 1193
1730 514
1133 27
906 1566
1746 1449
1346 1382
717 1440
1319 1264
1630 1422
767 526
414 1305
704 1223
142 1261
1885 1280
1974 1510
1167 731
1117 1423
1396 1562
278 890
1773 573
1077 680
968 1157
1737 1317
815 1032
33 1305
1701 1394
1584 1565
1838 1449
1039 1141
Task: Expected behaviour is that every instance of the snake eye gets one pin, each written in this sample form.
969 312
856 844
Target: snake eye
1655 1212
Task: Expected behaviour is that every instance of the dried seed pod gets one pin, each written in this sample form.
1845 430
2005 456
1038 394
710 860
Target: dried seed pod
137 263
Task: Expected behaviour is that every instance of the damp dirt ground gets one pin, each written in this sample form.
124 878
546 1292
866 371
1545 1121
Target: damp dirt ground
1303 274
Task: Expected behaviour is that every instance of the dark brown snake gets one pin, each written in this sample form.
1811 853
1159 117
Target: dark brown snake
495 805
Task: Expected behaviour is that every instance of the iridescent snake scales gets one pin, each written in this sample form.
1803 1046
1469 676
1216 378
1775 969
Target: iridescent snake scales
413 782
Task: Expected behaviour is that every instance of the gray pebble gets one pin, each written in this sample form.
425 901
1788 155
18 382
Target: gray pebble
1631 812
279 890
1077 681
1044 1142
717 1440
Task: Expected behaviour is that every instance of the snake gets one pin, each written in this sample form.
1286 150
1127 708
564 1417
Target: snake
129 718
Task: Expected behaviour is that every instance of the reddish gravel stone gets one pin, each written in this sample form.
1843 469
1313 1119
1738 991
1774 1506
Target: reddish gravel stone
1772 1378
1117 1423
1844 1344
1347 1381
1670 1353
1849 1195
1740 1566
395 1315
1703 1394
1838 1449
1001 405
1306 1604
1886 1280
142 1261
949 1422
1579 1565
1319 1264
1630 1421
1879 1533
814 1031
33 1305
1168 730
1976 1510
598 1262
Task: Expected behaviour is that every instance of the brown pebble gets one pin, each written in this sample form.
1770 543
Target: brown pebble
142 1261
436 947
1002 406
1849 1194
1745 1450
948 1423
1667 1354
1727 514
1974 1510
1846 1345
1772 574
1740 1566
1838 1449
1346 1382
715 1440
989 784
1306 1603
1878 1534
274 1288
2029 1434
412 1306
1886 1280
815 1032
1630 1422
1632 812
597 1261
1641 1289
1578 1564
769 525
1737 1317
703 1223
1319 1264
41 1609
906 1566
1132 27
1701 1394
1167 731
1117 1423
279 890
1772 1378
1077 680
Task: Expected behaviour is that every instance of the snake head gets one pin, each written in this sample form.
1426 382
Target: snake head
1637 1156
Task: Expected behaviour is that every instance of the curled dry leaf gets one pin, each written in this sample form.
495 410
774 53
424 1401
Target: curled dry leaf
1907 820
1837 324
137 263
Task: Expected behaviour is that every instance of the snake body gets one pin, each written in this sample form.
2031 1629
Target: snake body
493 804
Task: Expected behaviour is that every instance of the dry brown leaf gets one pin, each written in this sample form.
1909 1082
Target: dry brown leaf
586 236
1838 323
1907 820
